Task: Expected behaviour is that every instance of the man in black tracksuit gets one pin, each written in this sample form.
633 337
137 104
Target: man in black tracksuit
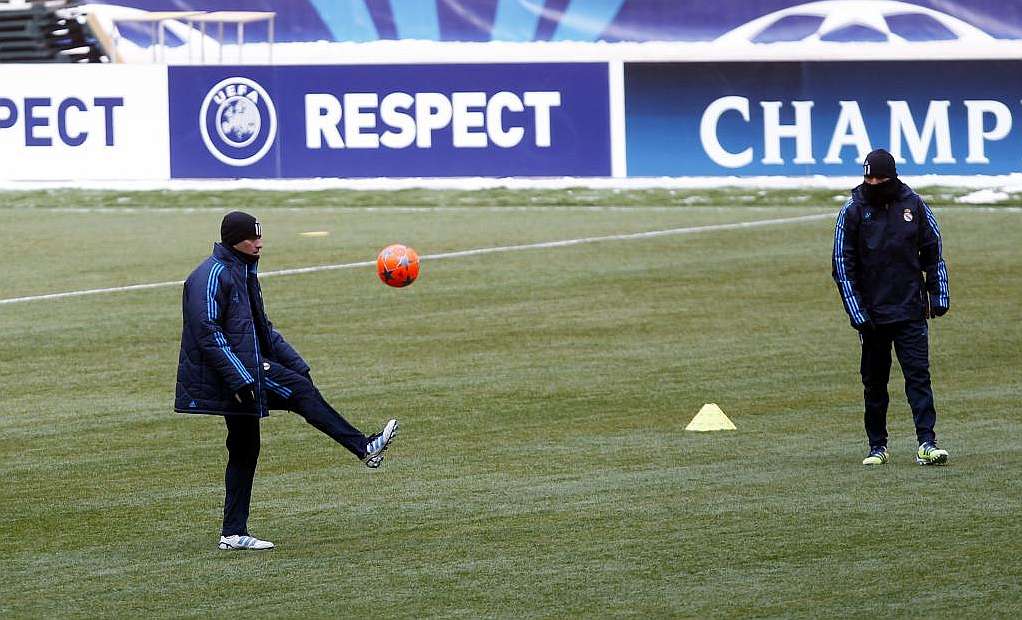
889 271
234 363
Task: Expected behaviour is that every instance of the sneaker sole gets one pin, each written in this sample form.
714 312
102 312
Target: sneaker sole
226 547
939 460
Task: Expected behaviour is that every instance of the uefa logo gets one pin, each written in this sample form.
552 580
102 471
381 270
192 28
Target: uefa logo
238 121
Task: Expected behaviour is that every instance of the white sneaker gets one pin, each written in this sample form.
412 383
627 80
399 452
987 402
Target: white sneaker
378 444
244 543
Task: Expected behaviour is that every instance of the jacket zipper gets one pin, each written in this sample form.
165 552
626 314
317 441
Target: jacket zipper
259 357
259 372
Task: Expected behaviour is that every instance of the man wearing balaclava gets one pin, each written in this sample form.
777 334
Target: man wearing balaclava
891 276
234 364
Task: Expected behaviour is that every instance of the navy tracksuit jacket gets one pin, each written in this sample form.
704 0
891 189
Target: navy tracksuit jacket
888 266
225 338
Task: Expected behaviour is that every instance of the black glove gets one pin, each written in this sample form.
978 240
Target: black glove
937 310
866 327
246 395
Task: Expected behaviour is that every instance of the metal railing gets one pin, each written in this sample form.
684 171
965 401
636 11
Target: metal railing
157 21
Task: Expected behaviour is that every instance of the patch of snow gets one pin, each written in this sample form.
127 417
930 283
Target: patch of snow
983 197
979 182
694 200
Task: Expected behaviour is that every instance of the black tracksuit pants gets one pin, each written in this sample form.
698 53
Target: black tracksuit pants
284 389
910 340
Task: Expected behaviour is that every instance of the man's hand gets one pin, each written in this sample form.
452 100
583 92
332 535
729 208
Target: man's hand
866 327
246 395
937 310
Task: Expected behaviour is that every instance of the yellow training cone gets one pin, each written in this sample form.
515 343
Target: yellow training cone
710 418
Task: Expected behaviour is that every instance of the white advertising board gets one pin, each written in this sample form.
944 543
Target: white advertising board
83 122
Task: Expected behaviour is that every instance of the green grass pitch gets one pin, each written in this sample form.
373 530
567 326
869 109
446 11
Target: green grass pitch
543 470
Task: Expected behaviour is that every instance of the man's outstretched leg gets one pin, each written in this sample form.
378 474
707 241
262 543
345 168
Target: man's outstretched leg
294 392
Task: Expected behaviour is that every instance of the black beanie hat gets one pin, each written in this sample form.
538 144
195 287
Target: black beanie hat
238 227
879 163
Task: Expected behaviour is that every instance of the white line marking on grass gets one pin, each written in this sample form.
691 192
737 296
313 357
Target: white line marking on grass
628 237
93 291
443 255
468 209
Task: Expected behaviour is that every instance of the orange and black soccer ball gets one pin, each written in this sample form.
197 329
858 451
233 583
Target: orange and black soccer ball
397 265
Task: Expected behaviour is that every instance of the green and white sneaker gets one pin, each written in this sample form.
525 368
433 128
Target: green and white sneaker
876 456
930 454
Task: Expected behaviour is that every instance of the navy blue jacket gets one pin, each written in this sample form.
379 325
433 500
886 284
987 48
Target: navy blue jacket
225 338
880 258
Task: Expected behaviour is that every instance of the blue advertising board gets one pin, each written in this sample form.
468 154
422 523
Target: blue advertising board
798 118
534 119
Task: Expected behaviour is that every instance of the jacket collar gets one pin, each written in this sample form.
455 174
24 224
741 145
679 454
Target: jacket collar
224 254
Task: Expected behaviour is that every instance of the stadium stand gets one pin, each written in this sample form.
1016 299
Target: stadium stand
46 32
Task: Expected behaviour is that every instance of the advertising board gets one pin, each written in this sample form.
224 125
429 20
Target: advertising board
83 122
802 118
536 119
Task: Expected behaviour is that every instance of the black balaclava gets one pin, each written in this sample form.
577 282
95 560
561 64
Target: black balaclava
880 163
